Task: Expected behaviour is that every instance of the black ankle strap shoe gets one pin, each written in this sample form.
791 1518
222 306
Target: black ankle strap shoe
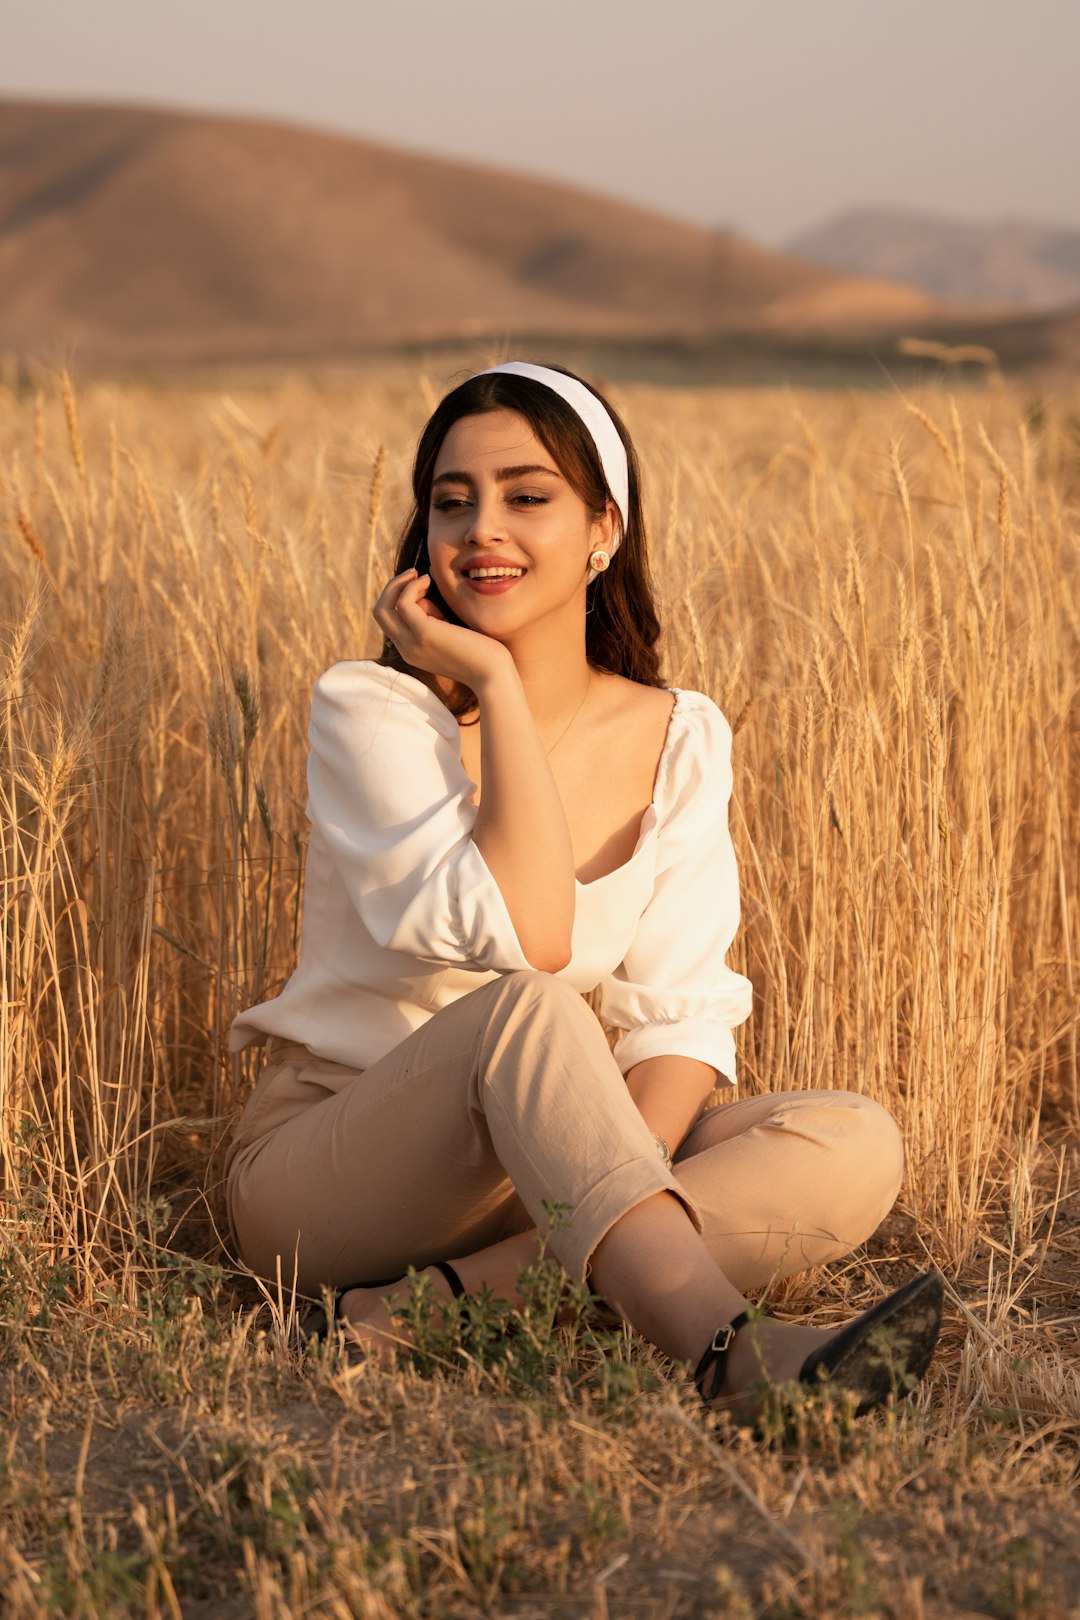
883 1352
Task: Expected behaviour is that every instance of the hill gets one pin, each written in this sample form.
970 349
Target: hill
1007 262
132 235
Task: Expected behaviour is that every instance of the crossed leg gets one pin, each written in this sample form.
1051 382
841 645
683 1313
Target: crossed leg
513 1087
782 1182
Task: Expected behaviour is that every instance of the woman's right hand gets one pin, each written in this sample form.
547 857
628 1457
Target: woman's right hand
426 640
520 828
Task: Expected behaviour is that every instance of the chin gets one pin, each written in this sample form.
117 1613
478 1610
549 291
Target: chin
483 616
493 632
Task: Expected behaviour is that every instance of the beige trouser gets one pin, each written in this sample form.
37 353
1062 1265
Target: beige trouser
506 1111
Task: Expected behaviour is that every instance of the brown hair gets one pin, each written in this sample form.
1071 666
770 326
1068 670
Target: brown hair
621 624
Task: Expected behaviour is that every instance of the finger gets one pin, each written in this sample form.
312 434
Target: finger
391 592
409 599
399 584
404 620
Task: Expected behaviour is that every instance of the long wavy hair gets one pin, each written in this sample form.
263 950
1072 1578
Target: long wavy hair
621 624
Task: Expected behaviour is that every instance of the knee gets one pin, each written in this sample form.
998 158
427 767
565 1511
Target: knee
530 1000
883 1137
531 990
874 1147
862 1146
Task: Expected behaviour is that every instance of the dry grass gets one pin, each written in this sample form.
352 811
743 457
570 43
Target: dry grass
883 595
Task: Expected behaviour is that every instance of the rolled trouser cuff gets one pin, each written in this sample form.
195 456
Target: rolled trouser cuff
554 1135
574 1239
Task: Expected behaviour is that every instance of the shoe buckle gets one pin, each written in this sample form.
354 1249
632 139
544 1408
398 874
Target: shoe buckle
722 1338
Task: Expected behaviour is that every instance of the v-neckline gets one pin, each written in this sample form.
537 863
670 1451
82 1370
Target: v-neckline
651 807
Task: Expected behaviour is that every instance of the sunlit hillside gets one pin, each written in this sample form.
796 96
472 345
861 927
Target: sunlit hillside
135 236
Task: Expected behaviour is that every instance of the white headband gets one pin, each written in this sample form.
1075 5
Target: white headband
604 434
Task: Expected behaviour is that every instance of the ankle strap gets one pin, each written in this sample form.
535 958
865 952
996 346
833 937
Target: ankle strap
457 1287
715 1357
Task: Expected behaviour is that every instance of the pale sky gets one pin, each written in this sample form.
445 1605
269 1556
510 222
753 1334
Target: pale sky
766 117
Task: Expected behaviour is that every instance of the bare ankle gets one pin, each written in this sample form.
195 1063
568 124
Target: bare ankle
765 1351
363 1303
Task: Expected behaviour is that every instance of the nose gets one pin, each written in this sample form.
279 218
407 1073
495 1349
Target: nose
485 527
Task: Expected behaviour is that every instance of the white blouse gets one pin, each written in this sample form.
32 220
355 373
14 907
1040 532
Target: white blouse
402 916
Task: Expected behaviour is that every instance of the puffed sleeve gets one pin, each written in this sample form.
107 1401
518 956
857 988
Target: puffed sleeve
389 795
672 992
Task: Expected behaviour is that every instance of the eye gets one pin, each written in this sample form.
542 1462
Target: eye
449 503
528 500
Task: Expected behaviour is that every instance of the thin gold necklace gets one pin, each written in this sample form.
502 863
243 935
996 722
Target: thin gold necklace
573 717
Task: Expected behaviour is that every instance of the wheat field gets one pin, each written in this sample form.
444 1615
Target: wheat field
882 592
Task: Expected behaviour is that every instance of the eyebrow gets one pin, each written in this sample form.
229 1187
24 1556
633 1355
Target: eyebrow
503 475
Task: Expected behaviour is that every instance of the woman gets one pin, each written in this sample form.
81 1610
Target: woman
507 809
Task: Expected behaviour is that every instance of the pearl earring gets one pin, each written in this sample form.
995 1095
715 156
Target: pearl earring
599 560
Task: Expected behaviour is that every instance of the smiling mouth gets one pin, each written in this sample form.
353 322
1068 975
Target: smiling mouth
494 573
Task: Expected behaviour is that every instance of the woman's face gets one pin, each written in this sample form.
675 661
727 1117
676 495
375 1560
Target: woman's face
508 538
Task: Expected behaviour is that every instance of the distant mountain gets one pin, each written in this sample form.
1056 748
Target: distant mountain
1008 262
135 236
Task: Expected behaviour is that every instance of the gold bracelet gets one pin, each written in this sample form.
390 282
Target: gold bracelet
663 1149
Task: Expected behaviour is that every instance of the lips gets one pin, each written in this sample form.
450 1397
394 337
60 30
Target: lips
493 567
492 577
